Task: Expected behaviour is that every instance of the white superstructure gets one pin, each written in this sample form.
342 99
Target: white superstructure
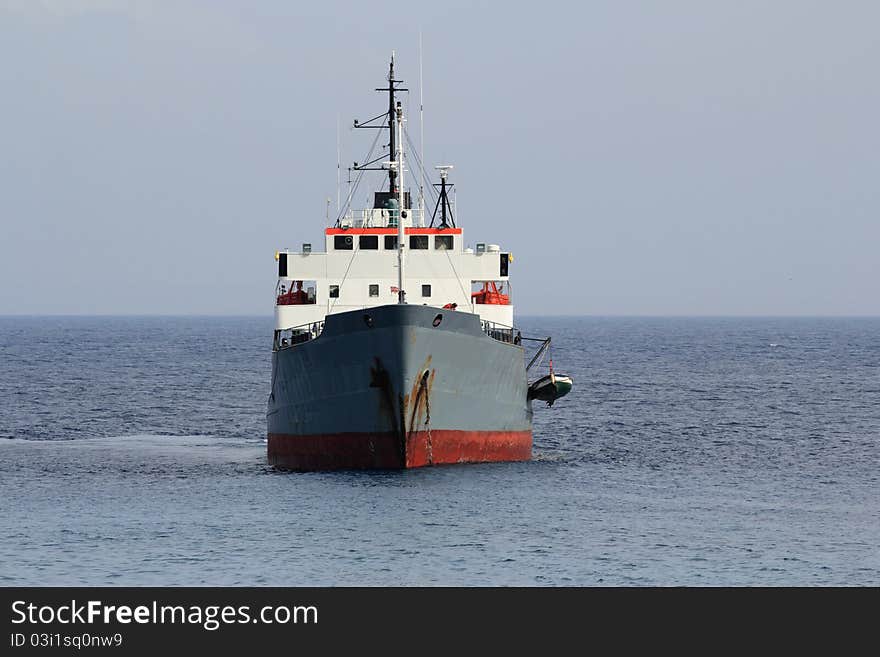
358 269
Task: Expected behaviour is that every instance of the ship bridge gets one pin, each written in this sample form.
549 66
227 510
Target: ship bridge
358 269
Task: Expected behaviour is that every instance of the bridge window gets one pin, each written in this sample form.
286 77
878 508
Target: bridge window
391 242
418 242
426 290
343 242
443 242
369 242
334 291
374 290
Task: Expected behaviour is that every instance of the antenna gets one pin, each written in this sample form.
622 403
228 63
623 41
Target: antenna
421 136
338 164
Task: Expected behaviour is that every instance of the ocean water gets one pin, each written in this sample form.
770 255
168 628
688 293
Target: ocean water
690 452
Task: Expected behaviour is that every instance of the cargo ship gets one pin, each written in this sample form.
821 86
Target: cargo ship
395 347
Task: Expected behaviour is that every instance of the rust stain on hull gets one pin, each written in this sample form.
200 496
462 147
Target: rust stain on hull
416 403
420 414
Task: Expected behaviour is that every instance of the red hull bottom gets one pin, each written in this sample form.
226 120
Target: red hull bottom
344 451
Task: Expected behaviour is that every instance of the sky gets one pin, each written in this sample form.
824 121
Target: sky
637 158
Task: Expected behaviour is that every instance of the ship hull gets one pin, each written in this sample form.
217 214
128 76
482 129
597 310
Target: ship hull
387 388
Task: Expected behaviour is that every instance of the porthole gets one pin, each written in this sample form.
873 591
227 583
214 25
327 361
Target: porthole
437 320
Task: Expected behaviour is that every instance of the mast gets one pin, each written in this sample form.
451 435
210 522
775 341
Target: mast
401 232
395 168
391 127
393 138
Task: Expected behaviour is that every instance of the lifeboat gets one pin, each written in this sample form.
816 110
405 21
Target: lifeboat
491 295
294 297
550 388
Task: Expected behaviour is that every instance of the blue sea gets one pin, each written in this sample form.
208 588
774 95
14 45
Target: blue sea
691 451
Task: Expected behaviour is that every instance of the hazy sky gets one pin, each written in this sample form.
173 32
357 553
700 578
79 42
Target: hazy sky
636 157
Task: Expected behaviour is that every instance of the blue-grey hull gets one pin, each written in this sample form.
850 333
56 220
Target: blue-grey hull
398 386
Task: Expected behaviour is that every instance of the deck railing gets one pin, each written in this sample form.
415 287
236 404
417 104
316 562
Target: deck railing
380 218
500 332
289 337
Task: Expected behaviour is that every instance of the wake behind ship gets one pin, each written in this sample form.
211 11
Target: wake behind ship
396 346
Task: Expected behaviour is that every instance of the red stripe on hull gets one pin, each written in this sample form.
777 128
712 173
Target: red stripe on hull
383 451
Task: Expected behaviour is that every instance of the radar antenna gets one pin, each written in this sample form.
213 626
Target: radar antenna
443 200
